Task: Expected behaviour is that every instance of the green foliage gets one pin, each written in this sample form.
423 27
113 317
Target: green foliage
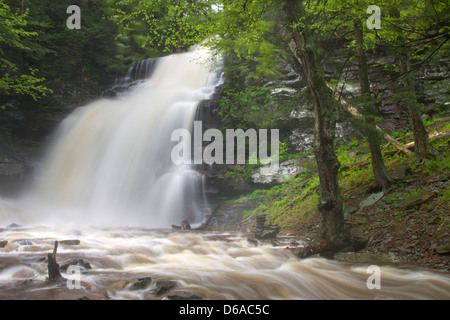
246 108
439 164
16 80
244 172
277 202
167 26
17 144
76 65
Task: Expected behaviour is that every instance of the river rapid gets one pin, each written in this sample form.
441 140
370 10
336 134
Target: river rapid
206 265
109 164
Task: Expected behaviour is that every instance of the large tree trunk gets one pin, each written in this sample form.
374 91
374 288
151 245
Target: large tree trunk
422 148
379 169
330 203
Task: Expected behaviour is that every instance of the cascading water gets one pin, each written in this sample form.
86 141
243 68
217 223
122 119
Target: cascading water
110 163
110 166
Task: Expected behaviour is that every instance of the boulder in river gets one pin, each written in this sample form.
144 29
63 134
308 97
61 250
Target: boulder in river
139 284
76 262
72 242
366 257
184 295
24 242
13 225
163 286
185 225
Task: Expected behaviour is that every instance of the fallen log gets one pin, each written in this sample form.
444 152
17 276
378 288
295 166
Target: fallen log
411 145
354 112
433 136
185 225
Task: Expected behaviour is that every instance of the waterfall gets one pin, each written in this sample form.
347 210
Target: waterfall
109 163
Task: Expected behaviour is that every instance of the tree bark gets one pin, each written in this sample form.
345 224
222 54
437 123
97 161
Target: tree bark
53 267
422 148
380 173
330 202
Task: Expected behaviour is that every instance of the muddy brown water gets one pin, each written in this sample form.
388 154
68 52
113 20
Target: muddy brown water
211 265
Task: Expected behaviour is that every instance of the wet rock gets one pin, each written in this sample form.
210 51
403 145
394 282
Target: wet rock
261 231
73 242
417 200
24 242
115 287
163 286
3 243
184 295
220 183
366 257
269 232
444 249
13 225
139 284
76 262
260 221
302 252
302 139
372 199
286 170
185 225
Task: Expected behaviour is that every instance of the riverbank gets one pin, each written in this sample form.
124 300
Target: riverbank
407 225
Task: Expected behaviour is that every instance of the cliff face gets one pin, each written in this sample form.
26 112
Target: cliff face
297 126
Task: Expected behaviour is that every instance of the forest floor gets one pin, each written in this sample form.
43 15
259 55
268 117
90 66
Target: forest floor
407 225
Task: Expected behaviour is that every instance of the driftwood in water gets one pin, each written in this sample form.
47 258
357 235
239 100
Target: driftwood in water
355 113
53 267
185 225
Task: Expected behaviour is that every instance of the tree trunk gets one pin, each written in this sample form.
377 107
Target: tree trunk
53 267
379 169
422 148
330 203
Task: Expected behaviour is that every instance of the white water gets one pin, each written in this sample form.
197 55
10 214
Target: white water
110 166
211 265
110 162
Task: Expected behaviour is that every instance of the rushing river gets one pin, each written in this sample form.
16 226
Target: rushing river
207 265
109 165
